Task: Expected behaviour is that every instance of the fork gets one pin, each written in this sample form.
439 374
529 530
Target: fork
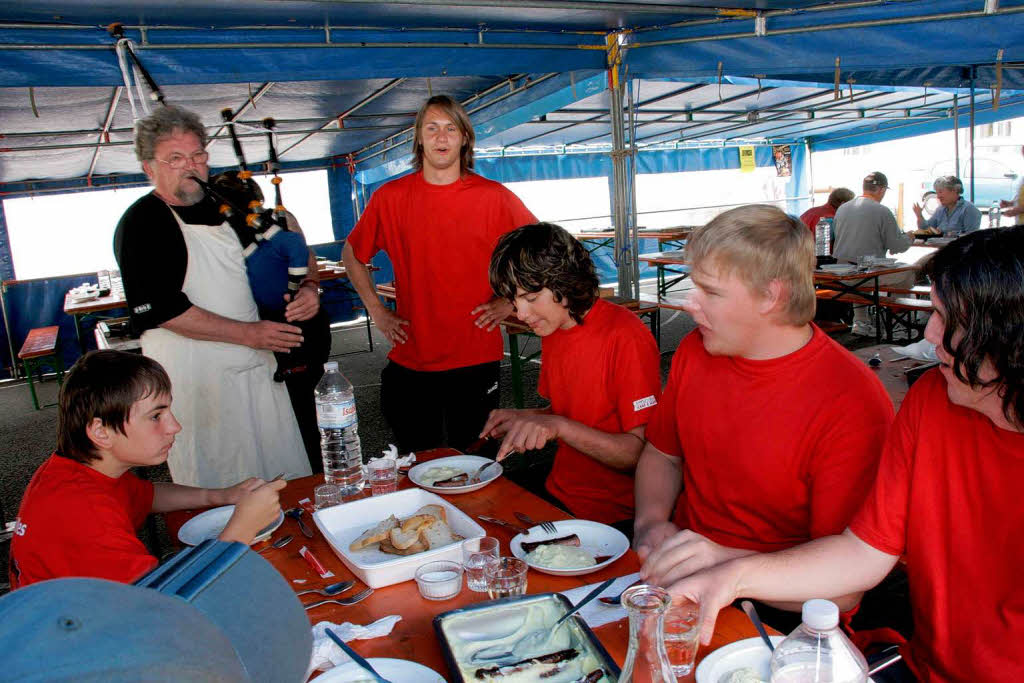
358 597
329 591
549 527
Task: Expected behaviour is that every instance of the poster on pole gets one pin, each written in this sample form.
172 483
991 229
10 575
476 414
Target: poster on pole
783 160
747 164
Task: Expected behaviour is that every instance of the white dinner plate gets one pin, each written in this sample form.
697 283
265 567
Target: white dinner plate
751 652
838 269
595 538
209 524
395 670
466 463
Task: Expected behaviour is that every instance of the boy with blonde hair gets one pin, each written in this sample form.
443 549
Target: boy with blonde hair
768 432
83 505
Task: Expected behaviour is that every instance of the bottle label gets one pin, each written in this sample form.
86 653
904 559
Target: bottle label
336 415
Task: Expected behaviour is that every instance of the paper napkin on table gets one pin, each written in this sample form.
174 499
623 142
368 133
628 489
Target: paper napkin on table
327 654
921 350
400 460
597 613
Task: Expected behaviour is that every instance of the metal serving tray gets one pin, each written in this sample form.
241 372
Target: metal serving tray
499 617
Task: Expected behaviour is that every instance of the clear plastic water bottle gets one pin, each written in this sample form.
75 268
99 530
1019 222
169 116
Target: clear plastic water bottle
818 651
995 213
823 237
339 437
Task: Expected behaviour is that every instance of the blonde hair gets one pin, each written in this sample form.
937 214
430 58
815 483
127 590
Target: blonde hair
459 117
760 243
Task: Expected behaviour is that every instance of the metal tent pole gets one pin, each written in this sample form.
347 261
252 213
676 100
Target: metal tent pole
634 228
956 136
971 134
618 154
7 331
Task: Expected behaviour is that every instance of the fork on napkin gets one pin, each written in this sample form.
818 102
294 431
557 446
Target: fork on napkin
327 654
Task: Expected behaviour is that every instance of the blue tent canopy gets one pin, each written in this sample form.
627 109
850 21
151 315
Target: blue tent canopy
343 79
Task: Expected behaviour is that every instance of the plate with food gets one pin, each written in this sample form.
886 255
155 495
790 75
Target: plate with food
577 546
455 474
745 661
209 524
394 670
383 539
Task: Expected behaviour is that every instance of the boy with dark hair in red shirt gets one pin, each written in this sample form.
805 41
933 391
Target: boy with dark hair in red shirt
947 498
600 371
83 505
768 432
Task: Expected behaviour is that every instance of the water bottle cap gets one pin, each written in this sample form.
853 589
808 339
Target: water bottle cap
330 365
821 615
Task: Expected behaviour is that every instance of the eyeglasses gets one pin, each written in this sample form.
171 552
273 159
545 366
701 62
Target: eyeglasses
180 161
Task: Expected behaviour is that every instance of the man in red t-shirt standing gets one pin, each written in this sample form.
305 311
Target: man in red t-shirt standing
600 371
438 226
836 198
947 496
768 432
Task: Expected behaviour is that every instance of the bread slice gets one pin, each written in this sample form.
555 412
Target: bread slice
436 511
417 547
375 534
437 534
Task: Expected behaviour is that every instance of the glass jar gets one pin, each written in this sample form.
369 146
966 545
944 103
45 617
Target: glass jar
646 660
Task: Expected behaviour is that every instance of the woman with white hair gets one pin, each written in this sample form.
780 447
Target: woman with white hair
955 214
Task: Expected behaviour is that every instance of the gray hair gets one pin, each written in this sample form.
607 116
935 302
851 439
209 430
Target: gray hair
949 182
162 123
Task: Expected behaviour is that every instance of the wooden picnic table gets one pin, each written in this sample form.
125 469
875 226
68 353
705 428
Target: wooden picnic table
605 239
892 371
413 637
667 262
852 284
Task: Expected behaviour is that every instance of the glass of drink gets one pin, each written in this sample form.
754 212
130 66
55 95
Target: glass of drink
477 553
681 636
326 495
506 578
383 474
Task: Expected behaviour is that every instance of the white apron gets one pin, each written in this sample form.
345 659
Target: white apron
236 421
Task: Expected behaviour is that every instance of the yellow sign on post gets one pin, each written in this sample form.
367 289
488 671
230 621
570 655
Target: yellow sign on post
747 164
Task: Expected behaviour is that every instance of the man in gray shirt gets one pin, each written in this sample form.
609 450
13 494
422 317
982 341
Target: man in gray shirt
866 228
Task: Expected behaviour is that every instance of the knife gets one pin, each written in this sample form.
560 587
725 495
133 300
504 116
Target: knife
296 514
354 655
507 525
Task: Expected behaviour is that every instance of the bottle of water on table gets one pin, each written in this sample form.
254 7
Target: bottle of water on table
823 237
339 436
818 651
994 214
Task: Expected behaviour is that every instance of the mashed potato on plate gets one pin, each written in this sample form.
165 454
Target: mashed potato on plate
561 557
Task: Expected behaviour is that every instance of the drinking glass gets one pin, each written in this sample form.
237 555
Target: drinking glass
681 633
506 578
383 476
477 553
326 495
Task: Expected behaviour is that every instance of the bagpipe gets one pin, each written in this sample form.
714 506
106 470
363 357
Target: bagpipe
272 255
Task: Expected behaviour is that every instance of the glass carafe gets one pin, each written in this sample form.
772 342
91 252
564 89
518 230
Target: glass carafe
647 660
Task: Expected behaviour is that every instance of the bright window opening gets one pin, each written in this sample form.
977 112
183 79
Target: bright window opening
576 204
665 200
53 235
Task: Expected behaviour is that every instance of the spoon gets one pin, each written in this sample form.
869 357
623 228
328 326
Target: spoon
535 639
748 607
476 476
330 590
279 543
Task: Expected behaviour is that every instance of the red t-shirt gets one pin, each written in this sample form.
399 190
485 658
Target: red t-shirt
605 374
948 498
439 239
814 214
75 521
775 452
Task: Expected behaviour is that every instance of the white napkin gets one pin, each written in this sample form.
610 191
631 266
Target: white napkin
400 460
921 350
597 613
327 654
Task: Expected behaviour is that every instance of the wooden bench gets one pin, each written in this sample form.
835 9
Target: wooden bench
41 348
901 310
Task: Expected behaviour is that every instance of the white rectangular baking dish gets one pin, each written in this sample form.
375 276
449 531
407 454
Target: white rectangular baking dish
343 524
